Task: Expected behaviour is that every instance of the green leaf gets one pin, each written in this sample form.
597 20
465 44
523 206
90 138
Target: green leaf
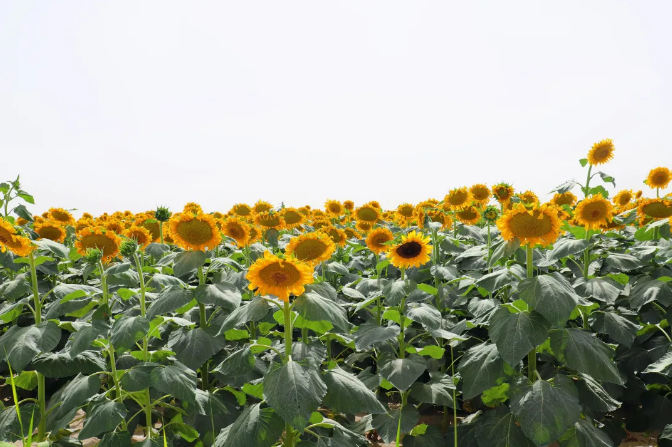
138 377
648 290
73 395
67 292
255 310
551 296
386 424
127 330
425 314
617 327
661 366
347 394
620 262
567 186
255 427
61 364
546 410
171 299
27 197
431 438
313 307
428 289
55 248
175 379
11 290
115 439
593 396
370 333
294 391
193 347
516 334
19 345
402 373
188 261
432 351
583 352
494 281
480 368
21 211
27 380
223 295
498 428
101 417
237 364
601 289
10 426
396 291
438 391
567 247
585 434
208 404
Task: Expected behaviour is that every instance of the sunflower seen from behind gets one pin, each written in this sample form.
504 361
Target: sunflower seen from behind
311 248
194 231
530 225
414 250
602 152
377 239
272 275
594 212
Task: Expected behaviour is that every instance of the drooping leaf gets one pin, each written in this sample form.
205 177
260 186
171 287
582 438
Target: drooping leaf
498 428
438 391
19 345
551 296
222 294
402 373
386 424
347 394
255 427
255 310
585 434
175 379
583 352
127 330
516 334
188 261
617 327
169 300
313 307
370 333
480 368
101 417
194 347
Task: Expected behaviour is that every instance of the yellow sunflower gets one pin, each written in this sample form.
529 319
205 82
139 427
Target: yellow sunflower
82 223
217 215
51 229
262 206
9 239
377 238
311 248
241 210
405 210
268 219
87 216
623 198
468 216
659 178
147 220
363 227
60 215
374 203
439 216
337 235
194 231
98 237
502 192
334 207
141 235
349 205
565 198
457 199
21 221
528 197
237 229
536 225
480 193
368 213
594 212
320 223
255 234
272 275
305 211
351 233
638 194
114 225
413 251
318 213
293 217
601 152
656 208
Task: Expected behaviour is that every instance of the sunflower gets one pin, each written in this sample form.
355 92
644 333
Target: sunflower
368 213
601 152
377 238
98 237
502 192
656 208
480 193
82 223
114 225
528 197
457 198
351 233
374 203
405 210
255 234
60 215
659 178
363 227
320 222
21 221
337 235
272 275
237 229
413 251
318 213
311 248
334 207
468 216
349 205
51 229
148 221
304 210
491 214
536 225
141 235
638 194
19 245
241 209
623 198
564 198
87 216
194 231
293 217
429 203
269 219
217 215
439 216
594 212
262 206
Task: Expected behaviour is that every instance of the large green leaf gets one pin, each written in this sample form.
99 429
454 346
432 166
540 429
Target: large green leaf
255 427
294 391
138 377
648 290
396 291
585 434
431 438
370 333
546 410
314 307
567 247
19 345
386 424
17 288
601 289
620 262
516 334
592 395
72 396
551 296
172 298
663 365
494 281
480 368
127 330
223 295
438 391
347 394
425 314
498 428
194 347
583 352
175 379
10 426
255 310
61 364
237 363
188 261
617 327
101 417
403 373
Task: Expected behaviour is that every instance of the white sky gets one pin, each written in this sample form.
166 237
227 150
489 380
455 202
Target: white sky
113 105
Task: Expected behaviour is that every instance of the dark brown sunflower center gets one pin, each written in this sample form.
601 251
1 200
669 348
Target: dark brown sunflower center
406 211
409 250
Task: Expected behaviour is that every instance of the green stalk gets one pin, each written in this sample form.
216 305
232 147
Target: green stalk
145 352
586 255
103 281
378 304
587 188
205 376
289 430
403 404
41 387
452 371
437 280
532 356
161 231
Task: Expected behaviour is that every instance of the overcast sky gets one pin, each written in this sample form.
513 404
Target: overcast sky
114 105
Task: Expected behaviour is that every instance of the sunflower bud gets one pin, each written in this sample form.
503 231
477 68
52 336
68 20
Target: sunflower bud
128 248
491 214
162 214
93 255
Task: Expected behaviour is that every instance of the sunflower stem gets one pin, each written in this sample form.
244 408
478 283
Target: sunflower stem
532 356
288 331
103 281
378 304
586 190
145 351
586 255
452 371
41 386
161 232
205 376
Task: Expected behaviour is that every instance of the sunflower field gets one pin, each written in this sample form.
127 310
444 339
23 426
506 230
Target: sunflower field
486 318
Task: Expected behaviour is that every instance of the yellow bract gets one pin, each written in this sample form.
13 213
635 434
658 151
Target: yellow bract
271 275
533 225
413 251
601 152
